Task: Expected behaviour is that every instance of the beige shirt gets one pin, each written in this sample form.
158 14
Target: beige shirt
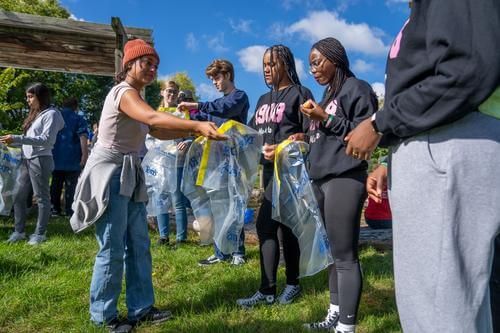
116 129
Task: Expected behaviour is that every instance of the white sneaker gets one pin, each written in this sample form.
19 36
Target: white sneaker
16 237
237 261
329 323
289 294
37 239
257 298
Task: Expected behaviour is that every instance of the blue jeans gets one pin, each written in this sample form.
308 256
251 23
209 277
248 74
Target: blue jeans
123 238
239 253
179 202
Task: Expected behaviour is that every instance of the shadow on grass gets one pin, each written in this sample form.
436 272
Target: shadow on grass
247 326
13 269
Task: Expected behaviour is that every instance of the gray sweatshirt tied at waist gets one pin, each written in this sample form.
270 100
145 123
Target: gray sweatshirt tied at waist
92 190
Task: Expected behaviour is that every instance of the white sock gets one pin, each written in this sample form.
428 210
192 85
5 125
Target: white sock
334 308
345 328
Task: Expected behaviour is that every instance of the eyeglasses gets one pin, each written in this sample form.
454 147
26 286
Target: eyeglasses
171 91
145 62
315 64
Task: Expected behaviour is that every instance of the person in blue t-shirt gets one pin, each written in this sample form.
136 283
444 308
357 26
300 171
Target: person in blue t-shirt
70 154
233 105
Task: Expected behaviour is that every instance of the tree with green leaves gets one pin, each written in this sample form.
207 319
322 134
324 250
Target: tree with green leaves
88 89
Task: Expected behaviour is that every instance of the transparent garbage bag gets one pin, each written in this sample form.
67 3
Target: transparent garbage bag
295 205
228 172
197 195
10 173
160 172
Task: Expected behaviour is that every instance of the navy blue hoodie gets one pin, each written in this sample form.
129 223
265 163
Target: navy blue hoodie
443 65
231 106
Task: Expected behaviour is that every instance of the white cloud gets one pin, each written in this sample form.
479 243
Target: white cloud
216 43
299 66
277 31
241 25
342 5
379 89
191 42
359 37
251 58
208 92
361 66
73 17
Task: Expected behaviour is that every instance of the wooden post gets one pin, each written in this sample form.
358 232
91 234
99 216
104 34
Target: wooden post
121 39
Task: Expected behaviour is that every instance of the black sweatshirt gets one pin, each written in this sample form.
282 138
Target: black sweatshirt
443 65
277 115
354 102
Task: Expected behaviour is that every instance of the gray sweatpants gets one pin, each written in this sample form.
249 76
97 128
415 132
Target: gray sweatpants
444 189
35 172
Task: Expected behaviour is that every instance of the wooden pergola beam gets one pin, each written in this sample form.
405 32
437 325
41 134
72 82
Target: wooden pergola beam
64 45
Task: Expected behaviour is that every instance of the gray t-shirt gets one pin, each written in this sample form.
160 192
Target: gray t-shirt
116 129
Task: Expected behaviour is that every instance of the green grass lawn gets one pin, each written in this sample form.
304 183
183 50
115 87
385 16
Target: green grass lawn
46 289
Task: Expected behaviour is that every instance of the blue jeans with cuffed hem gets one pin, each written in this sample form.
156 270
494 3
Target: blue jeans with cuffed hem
123 238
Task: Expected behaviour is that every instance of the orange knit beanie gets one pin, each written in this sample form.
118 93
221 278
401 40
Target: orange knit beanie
136 48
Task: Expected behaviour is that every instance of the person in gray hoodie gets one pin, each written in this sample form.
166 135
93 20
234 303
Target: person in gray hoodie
39 135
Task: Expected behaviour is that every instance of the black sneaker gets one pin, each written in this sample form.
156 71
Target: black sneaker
154 316
163 241
255 299
55 213
329 323
209 261
289 294
118 326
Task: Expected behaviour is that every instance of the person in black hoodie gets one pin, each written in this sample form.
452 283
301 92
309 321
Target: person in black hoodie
277 117
338 179
443 181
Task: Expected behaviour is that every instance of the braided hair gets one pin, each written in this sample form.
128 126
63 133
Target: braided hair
284 54
335 52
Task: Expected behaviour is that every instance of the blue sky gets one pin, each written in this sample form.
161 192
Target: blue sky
190 34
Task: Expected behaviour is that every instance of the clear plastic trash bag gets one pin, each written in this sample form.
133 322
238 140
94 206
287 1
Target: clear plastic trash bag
10 173
160 170
197 195
295 205
228 172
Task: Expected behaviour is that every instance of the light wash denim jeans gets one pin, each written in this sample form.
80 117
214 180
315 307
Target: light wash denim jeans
179 203
123 238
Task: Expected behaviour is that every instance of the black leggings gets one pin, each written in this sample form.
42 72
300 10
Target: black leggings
341 201
267 230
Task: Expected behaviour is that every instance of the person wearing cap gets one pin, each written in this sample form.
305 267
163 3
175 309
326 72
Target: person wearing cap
111 192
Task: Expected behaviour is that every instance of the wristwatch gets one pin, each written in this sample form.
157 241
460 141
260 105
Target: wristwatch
374 124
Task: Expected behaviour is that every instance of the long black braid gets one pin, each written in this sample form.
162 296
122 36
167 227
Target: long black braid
335 52
286 56
283 53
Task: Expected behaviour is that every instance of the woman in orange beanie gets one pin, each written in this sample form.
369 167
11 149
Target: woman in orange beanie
111 192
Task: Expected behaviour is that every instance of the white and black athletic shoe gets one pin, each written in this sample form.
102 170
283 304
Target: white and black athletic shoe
255 299
328 324
209 261
289 294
